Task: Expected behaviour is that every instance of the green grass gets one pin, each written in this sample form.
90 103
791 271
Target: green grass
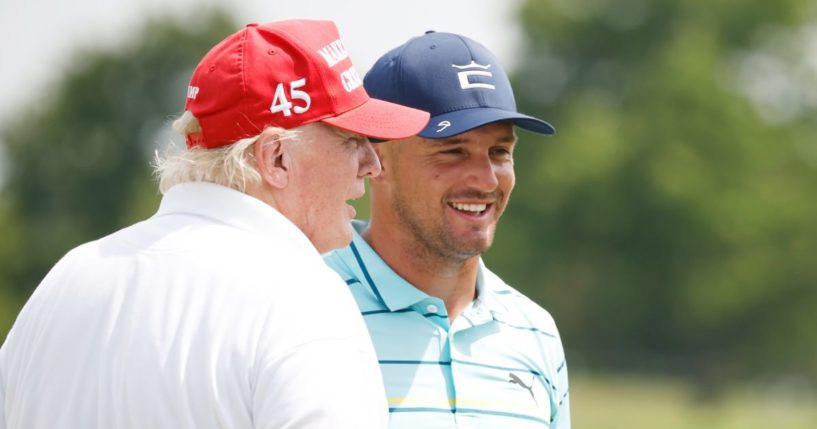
632 403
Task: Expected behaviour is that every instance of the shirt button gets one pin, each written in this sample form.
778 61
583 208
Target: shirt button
431 308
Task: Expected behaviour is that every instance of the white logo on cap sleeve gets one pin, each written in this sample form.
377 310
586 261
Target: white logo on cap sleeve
443 125
468 71
192 92
350 79
334 52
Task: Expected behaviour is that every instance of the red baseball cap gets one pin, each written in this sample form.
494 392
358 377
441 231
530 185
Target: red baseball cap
287 74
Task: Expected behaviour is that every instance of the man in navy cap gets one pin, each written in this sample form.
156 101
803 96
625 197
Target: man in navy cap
457 346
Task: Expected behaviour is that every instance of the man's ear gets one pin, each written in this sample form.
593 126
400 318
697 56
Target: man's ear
272 159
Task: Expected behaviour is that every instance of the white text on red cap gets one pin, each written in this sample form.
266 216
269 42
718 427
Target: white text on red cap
334 52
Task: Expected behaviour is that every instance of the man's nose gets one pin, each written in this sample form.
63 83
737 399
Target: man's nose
482 173
369 162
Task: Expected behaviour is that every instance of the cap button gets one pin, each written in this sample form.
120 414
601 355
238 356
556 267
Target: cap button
430 31
252 24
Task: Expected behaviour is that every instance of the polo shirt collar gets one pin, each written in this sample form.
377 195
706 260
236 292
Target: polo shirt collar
488 284
397 293
233 208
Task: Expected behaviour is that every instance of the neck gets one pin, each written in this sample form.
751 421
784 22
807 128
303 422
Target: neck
451 280
264 194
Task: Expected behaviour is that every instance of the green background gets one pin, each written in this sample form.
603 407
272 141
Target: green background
669 225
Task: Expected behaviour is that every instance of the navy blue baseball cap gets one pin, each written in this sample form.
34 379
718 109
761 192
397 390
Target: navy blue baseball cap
456 79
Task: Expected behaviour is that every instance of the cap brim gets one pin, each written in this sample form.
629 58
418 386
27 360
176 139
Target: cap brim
453 123
381 120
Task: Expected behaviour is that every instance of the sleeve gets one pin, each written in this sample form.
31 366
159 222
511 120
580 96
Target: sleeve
321 384
562 402
554 364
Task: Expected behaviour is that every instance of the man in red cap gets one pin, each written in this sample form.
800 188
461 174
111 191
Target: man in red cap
218 312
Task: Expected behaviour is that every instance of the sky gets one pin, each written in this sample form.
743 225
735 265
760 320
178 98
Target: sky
38 37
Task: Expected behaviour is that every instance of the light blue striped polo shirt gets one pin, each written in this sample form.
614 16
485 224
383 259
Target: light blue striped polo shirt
499 365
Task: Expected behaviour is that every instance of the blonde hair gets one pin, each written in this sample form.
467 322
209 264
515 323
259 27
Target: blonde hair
231 165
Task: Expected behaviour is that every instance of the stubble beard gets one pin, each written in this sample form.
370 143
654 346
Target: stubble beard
434 240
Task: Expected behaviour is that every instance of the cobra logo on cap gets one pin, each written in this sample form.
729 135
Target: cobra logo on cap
469 70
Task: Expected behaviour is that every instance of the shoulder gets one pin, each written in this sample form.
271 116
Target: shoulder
339 260
344 262
521 310
81 259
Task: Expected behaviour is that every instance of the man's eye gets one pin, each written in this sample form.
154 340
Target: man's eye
452 151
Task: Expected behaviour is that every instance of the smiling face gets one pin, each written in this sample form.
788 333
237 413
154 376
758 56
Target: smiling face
327 167
447 195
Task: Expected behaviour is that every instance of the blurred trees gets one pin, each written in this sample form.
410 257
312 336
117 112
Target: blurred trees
671 223
78 164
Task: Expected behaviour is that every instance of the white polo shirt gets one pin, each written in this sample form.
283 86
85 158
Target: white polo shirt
217 312
499 365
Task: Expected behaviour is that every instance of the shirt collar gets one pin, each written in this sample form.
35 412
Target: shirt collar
399 294
395 292
233 208
488 284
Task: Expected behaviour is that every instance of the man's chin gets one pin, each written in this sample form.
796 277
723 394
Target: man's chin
329 242
477 241
473 247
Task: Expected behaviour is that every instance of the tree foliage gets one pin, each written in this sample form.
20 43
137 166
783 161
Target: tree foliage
670 223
